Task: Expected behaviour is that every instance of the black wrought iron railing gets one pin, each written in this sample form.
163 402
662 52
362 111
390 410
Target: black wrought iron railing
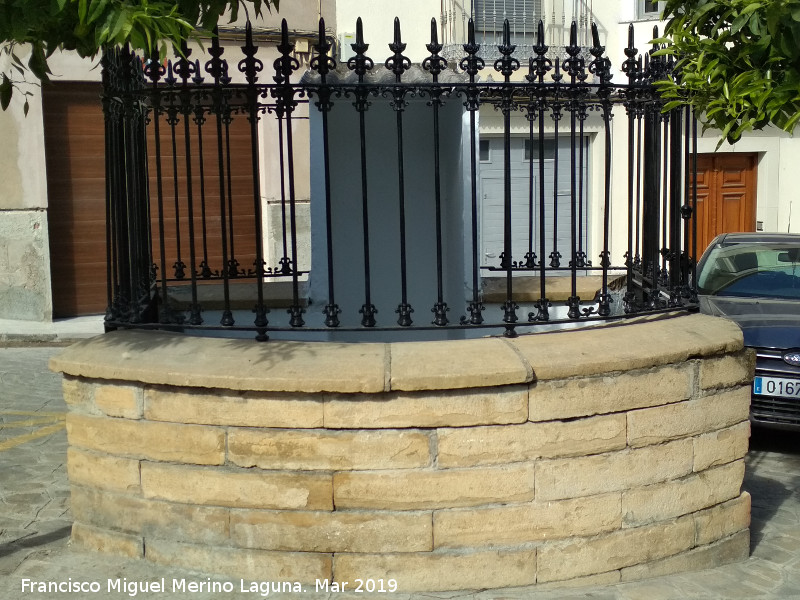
404 192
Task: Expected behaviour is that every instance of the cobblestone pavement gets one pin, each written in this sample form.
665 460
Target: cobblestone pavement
35 520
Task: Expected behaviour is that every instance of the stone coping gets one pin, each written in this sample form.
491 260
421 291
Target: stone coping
157 357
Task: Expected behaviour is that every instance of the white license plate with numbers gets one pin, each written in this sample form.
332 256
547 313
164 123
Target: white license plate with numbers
776 386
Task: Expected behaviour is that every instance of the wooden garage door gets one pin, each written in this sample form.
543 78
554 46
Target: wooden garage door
74 146
726 195
75 155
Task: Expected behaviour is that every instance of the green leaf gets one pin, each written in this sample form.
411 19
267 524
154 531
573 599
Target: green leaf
96 9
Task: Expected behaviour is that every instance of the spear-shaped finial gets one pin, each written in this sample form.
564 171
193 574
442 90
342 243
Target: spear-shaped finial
397 63
359 31
397 39
595 36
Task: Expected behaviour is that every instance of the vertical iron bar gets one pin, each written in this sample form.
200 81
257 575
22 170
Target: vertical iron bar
574 69
435 64
398 64
109 155
322 63
604 308
251 67
217 69
296 311
285 65
694 205
233 264
530 256
199 119
574 300
471 64
633 154
185 69
650 202
172 120
555 255
674 216
665 126
506 65
285 262
542 65
360 64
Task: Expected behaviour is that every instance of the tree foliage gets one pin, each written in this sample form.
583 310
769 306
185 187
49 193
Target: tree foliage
88 26
739 59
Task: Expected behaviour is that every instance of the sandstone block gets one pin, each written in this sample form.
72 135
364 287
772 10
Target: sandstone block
635 346
194 444
655 425
79 395
473 446
721 521
237 487
244 409
513 525
721 447
144 517
455 364
624 548
333 531
613 471
733 549
587 396
163 358
728 371
320 450
420 490
119 400
103 471
441 571
107 542
248 564
445 408
671 499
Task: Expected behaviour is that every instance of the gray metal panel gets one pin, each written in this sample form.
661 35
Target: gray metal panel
491 195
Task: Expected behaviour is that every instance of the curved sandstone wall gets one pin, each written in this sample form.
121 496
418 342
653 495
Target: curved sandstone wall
603 454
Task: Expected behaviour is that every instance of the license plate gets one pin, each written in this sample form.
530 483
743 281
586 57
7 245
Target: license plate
776 386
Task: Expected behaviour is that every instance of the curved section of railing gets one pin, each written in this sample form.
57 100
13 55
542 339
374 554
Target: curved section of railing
366 196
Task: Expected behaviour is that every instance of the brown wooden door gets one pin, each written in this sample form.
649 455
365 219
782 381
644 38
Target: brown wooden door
726 195
75 157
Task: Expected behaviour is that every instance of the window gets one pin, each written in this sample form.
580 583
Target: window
549 149
649 9
523 16
484 151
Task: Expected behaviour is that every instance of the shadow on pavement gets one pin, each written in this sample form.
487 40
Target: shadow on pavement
771 453
34 541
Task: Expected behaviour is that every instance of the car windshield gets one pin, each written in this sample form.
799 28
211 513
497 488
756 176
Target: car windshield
752 270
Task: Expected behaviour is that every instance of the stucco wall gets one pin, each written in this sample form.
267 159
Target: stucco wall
600 455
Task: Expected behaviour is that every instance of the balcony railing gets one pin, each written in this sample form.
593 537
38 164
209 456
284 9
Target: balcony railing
396 205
